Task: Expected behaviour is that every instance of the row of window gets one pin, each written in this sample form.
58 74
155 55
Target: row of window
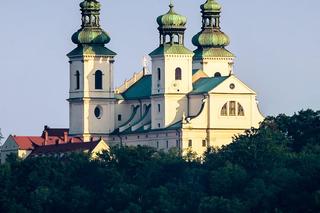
97 80
178 74
232 108
204 143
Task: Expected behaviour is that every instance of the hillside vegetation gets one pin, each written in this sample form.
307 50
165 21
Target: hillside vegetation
272 169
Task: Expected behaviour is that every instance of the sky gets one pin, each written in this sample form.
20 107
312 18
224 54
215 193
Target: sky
276 43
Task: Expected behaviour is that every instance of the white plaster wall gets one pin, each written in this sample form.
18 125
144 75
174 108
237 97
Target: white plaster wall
9 147
156 116
175 106
235 122
195 103
158 86
104 125
212 65
125 109
171 63
76 118
197 136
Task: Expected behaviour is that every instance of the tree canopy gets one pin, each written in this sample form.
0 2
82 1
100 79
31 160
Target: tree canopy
275 168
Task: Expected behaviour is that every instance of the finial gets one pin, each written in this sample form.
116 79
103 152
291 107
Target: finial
171 4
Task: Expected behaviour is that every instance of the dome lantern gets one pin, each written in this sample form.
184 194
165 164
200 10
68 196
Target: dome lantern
90 32
211 36
171 27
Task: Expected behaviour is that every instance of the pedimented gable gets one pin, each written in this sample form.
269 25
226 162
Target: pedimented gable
232 85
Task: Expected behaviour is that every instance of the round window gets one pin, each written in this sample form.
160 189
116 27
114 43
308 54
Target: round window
98 112
232 86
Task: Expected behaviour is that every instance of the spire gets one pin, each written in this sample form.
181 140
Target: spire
211 36
90 38
90 31
171 29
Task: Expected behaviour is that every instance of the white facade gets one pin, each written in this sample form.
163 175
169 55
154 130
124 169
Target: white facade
87 99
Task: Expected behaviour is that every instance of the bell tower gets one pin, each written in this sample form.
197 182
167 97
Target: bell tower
91 93
211 56
171 71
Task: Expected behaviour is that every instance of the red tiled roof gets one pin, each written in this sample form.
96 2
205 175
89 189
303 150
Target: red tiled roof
30 142
64 148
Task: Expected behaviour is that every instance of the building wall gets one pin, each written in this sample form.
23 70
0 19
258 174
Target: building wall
85 100
11 147
161 140
213 65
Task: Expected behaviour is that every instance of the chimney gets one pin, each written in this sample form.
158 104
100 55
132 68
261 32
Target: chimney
46 137
65 136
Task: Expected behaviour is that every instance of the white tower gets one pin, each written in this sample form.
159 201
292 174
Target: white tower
171 72
211 55
91 99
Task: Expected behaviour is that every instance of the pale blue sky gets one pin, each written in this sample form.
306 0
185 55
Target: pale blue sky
276 44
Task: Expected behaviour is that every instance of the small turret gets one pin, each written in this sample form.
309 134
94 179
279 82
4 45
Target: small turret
211 42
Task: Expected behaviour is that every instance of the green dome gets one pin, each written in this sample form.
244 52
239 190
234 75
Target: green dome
172 19
211 6
211 38
90 5
90 36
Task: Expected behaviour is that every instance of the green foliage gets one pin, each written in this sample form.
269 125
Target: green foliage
275 168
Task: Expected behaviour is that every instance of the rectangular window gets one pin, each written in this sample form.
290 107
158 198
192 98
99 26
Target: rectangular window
157 144
119 117
167 144
159 108
158 125
159 74
204 143
177 143
190 143
232 108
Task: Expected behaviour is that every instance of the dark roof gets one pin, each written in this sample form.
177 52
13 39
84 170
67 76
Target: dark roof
212 52
204 85
64 148
139 90
58 132
175 126
91 50
171 49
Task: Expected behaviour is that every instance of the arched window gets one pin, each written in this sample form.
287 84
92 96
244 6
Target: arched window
240 110
159 74
176 39
168 39
217 74
224 110
178 75
232 108
98 79
77 80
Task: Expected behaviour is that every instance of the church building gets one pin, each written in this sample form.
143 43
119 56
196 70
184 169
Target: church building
189 100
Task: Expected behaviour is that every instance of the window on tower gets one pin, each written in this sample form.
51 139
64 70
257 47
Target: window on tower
77 80
159 74
178 75
98 79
